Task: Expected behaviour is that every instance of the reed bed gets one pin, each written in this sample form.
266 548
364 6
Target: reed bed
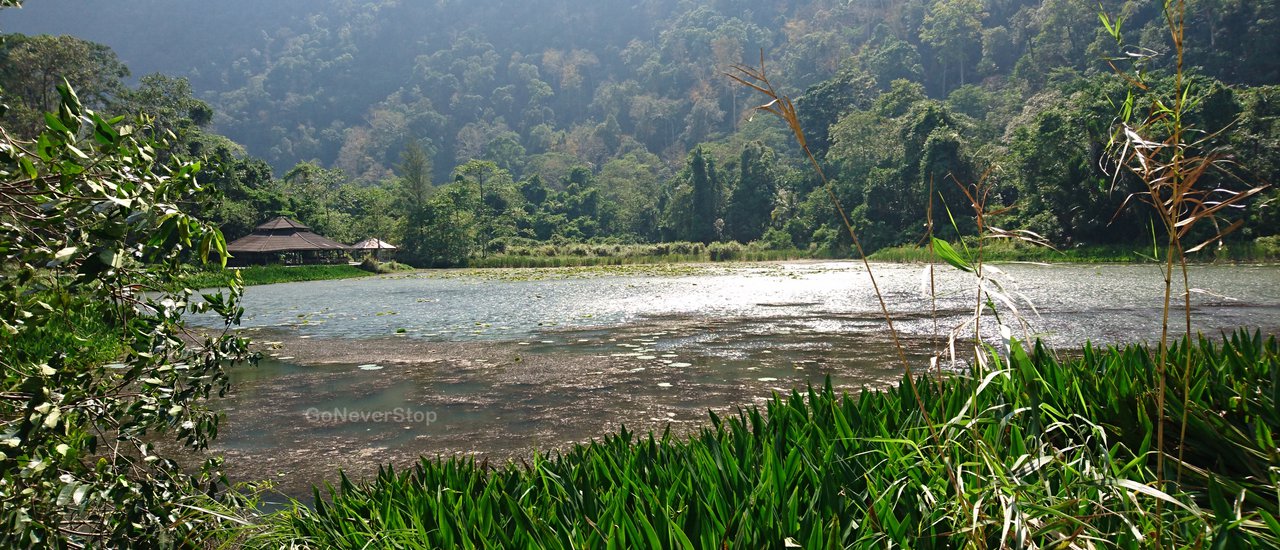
1006 251
583 254
1047 454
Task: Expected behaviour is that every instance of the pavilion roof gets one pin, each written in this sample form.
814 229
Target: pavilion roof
281 223
373 244
283 235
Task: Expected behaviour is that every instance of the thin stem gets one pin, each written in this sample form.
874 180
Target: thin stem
933 284
1186 370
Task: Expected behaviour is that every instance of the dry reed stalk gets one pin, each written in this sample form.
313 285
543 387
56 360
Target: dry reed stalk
1172 171
781 106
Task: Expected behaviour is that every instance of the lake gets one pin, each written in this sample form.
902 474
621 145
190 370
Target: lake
496 363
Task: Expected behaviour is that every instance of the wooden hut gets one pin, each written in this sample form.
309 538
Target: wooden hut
376 248
285 241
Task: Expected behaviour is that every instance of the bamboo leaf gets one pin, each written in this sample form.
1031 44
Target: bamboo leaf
949 255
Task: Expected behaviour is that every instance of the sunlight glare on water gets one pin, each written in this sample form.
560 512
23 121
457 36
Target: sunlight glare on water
1075 302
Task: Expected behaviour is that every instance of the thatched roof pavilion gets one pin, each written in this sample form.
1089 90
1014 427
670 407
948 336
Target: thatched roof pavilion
282 240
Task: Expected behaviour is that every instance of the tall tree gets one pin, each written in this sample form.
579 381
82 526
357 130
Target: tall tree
172 108
705 184
96 364
954 29
32 68
415 191
482 173
752 202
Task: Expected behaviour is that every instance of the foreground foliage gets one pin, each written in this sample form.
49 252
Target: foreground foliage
1045 453
97 365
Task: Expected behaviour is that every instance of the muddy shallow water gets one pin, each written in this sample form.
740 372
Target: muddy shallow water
495 364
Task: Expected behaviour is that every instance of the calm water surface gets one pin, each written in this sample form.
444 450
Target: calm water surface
1064 304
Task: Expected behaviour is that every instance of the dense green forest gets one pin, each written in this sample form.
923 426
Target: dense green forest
461 128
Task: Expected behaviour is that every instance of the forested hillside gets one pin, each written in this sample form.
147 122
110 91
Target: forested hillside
595 120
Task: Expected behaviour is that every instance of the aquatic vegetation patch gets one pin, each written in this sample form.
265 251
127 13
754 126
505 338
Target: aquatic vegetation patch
269 274
1044 453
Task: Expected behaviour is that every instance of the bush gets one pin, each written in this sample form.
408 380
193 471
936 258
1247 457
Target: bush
721 252
777 239
372 265
826 243
1269 247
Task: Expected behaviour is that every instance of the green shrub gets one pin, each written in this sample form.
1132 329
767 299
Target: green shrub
826 243
721 252
777 239
1269 247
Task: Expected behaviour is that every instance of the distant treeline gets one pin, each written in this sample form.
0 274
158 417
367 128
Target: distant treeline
450 127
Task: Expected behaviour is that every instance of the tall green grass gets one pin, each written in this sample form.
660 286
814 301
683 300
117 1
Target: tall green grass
1046 453
271 274
1264 249
1005 251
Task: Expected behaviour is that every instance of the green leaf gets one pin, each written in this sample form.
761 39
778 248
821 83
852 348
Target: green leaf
45 146
103 132
28 167
1151 492
946 253
65 495
70 100
76 152
1270 521
54 124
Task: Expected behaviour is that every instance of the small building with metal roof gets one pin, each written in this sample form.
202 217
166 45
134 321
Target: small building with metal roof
377 248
